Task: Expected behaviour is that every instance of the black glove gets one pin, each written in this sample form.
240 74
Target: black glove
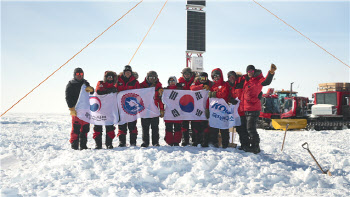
114 89
233 101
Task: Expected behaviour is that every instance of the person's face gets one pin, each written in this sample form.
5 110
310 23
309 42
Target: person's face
203 79
250 73
187 75
127 74
109 78
216 77
172 82
79 76
232 78
152 79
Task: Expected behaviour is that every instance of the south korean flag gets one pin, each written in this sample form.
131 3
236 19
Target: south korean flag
184 104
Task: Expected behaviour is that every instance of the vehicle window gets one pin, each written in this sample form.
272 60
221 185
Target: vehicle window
326 98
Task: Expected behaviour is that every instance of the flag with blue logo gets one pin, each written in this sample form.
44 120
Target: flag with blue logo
184 104
136 103
222 115
97 109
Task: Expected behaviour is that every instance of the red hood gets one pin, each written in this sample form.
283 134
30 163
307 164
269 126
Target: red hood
221 80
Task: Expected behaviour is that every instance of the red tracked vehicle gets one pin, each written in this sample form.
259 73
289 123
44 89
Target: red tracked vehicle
270 109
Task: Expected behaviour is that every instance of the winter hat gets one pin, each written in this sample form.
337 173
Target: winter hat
127 68
186 70
215 72
173 78
109 73
203 74
229 74
77 70
250 67
151 74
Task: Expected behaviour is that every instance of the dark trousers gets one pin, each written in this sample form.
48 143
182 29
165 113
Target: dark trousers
243 133
198 128
154 123
185 133
79 127
123 131
225 136
252 119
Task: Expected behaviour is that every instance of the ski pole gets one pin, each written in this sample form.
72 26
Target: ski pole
306 146
285 133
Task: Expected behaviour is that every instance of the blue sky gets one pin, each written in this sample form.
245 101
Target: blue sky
38 37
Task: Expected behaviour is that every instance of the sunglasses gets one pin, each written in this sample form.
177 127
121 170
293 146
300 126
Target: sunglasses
152 78
187 73
77 74
202 78
110 77
216 75
250 71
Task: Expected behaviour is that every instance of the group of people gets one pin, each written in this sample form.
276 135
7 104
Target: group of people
245 87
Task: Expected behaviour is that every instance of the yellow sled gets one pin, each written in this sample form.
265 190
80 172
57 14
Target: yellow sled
283 124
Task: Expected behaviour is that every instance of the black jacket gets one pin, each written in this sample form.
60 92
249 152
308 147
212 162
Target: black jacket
73 90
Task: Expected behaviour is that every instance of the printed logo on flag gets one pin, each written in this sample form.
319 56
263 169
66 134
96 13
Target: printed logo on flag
187 103
95 104
132 104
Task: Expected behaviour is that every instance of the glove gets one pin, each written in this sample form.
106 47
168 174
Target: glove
233 101
207 113
160 91
161 113
89 89
212 95
206 87
273 69
72 111
114 89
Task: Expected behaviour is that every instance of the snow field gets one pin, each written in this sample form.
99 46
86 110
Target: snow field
36 160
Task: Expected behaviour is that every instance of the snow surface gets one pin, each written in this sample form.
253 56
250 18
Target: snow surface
36 160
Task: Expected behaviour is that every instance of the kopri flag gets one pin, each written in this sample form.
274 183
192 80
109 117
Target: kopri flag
97 109
136 103
222 115
184 104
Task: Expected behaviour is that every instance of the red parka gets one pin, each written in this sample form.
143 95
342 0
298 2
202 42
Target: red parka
157 100
126 84
185 84
236 92
252 88
221 87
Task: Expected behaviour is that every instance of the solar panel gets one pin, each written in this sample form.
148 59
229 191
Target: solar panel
196 3
195 31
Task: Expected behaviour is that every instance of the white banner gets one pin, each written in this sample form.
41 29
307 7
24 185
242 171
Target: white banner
136 103
97 109
222 115
184 104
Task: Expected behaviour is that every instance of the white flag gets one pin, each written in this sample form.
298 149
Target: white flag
222 115
97 109
184 104
137 103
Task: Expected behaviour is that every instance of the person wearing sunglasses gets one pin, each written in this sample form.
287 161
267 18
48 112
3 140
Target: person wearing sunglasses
173 133
200 128
185 81
251 105
106 86
151 80
126 81
80 128
220 89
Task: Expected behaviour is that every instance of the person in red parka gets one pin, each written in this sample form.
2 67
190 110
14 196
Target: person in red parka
200 128
106 86
127 81
152 80
220 89
253 84
185 82
173 132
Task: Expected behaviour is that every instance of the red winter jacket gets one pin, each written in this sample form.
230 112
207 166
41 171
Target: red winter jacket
157 100
252 88
185 84
126 84
221 87
172 88
236 92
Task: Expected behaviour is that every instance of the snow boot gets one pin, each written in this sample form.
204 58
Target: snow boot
98 141
185 138
133 137
225 138
145 138
83 141
109 142
255 148
122 140
75 144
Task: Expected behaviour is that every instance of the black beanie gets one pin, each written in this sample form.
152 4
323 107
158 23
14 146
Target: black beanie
231 73
250 67
127 68
203 74
77 70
